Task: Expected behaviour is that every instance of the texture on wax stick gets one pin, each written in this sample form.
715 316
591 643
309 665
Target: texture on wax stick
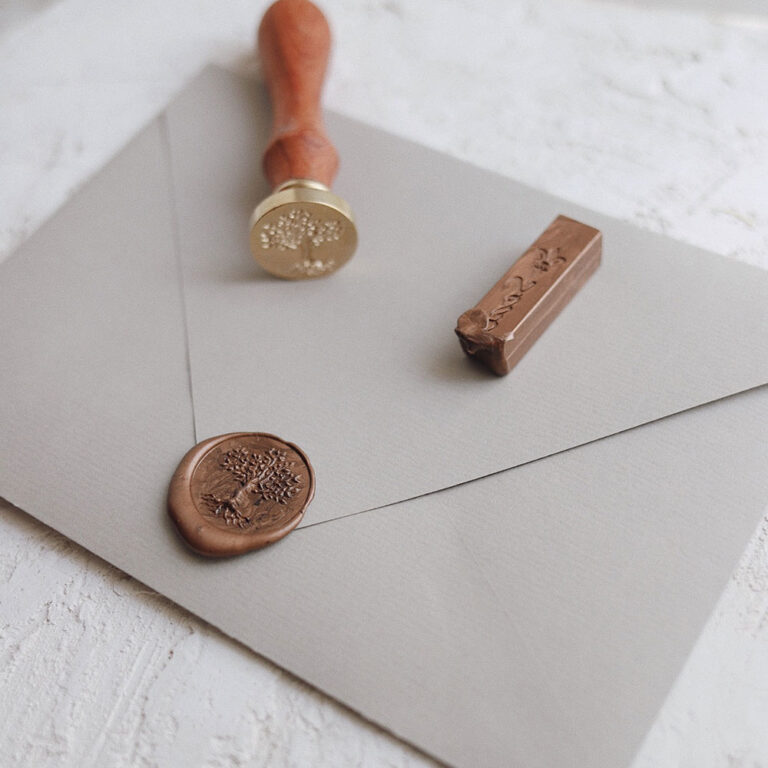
506 322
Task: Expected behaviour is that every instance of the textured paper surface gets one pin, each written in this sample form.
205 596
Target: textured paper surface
364 371
532 618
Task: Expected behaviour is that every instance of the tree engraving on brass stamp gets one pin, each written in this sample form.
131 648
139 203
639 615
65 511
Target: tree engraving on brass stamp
298 229
267 475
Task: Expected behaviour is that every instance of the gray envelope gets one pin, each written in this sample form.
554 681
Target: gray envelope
534 618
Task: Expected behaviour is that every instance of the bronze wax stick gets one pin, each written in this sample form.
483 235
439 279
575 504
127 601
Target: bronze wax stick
518 309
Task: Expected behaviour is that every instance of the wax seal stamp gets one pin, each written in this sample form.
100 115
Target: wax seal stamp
241 491
302 230
518 309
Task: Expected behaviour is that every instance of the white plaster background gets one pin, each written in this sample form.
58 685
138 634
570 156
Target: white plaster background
657 117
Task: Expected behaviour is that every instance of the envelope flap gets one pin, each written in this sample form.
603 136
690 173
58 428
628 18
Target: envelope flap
95 407
363 369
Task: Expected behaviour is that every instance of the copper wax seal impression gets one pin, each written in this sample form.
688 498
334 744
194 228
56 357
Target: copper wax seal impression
241 491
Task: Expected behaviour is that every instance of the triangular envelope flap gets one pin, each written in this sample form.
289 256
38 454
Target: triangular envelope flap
95 407
363 369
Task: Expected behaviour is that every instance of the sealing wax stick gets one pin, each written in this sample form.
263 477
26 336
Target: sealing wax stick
506 322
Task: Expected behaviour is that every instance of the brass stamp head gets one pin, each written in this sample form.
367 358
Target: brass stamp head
302 231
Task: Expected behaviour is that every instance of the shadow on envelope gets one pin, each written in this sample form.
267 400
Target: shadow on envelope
535 617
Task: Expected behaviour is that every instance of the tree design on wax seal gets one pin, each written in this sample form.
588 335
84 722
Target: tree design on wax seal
262 476
240 491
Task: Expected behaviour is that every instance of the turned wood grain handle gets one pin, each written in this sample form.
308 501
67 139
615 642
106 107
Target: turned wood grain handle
294 41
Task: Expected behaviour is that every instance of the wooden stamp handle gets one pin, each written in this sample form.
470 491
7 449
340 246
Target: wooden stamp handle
294 42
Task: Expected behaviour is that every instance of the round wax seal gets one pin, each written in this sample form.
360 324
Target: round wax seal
240 491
